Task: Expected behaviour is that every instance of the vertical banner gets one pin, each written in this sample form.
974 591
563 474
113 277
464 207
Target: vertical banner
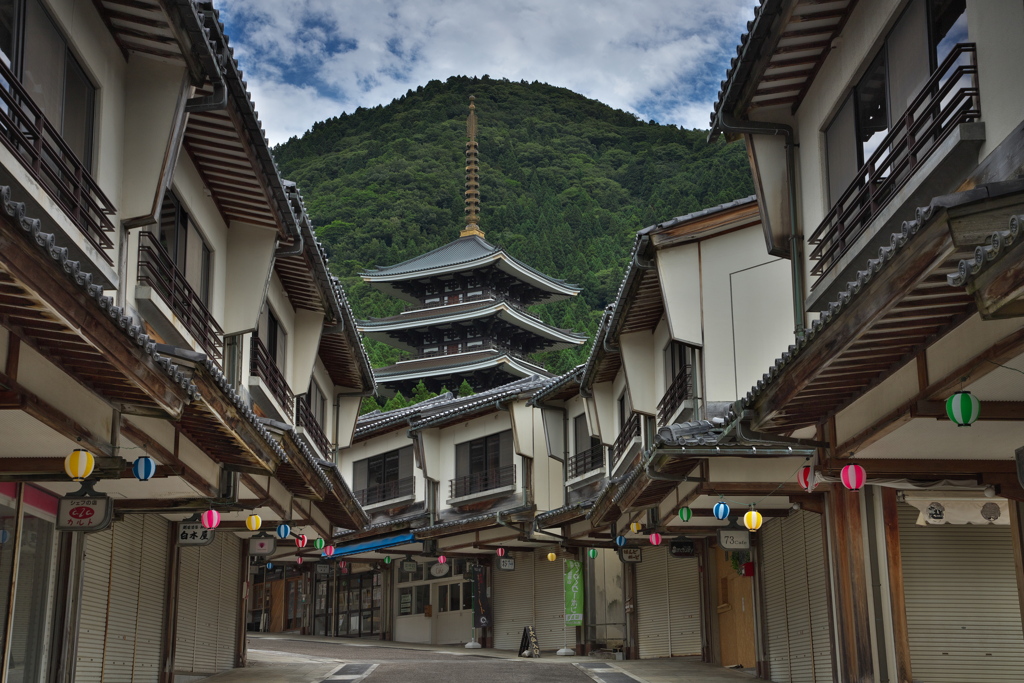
481 601
573 576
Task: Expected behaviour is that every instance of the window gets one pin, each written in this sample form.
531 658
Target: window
383 477
467 595
185 247
487 454
273 336
674 356
582 439
625 409
318 404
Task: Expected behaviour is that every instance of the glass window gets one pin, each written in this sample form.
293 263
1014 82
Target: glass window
467 595
453 597
422 598
442 598
8 529
948 26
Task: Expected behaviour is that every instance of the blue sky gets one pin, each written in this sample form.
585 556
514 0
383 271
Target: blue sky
308 60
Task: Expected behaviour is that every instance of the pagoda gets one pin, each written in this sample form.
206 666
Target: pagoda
469 318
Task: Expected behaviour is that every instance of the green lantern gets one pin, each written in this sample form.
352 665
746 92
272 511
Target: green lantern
592 553
318 544
963 408
387 560
685 514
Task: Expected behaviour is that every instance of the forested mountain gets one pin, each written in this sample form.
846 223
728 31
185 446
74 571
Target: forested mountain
565 184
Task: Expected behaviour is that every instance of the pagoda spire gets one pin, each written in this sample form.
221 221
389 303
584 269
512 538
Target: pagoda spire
472 176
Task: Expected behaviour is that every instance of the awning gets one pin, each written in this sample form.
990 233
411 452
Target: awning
377 544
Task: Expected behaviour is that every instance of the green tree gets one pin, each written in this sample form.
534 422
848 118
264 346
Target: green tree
465 389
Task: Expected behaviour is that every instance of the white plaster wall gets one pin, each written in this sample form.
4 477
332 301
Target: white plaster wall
971 338
996 26
444 470
679 272
639 354
53 386
895 390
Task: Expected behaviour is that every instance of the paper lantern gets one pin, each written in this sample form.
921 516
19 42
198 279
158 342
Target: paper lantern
853 477
253 522
342 564
210 519
721 510
283 530
963 408
620 541
655 538
805 478
300 541
500 552
753 520
387 559
552 557
685 514
329 551
79 464
144 468
319 544
5 535
441 559
636 527
298 560
592 553
270 565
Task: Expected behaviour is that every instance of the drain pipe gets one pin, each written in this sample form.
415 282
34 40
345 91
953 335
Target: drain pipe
730 124
292 192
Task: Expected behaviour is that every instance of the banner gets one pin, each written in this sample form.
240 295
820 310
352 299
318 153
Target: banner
481 601
573 574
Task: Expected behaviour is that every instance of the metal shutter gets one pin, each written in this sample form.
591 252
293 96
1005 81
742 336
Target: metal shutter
92 624
549 602
122 610
818 592
513 604
683 588
209 591
773 578
229 596
149 628
963 615
651 606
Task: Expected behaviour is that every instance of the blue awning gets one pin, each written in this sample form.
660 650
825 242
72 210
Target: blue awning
377 544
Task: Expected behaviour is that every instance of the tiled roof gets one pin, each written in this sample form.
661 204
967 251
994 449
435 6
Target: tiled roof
557 383
672 222
698 433
489 358
995 247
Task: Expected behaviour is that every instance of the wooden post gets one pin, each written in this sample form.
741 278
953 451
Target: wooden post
632 625
853 641
898 605
1017 529
170 607
241 654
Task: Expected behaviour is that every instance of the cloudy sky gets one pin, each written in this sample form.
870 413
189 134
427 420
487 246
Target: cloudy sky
307 60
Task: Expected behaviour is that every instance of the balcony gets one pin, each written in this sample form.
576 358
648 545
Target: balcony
186 308
264 367
388 493
947 100
581 464
630 431
29 136
480 485
312 428
680 390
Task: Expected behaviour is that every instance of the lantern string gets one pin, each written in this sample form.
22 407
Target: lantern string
1007 367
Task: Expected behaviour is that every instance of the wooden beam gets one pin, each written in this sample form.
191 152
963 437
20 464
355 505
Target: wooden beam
254 486
924 468
990 410
897 597
853 640
169 459
52 469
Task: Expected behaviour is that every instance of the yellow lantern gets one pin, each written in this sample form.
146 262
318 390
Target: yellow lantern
753 520
636 527
552 557
253 522
79 464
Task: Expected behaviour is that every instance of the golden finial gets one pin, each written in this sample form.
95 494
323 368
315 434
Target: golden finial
472 176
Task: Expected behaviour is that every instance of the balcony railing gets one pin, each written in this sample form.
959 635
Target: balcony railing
587 461
386 491
27 133
630 431
948 98
680 390
483 481
304 418
263 366
157 270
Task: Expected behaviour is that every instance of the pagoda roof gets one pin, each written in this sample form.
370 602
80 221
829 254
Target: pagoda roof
465 254
381 329
458 364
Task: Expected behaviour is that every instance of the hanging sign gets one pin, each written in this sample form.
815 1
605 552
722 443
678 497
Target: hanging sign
409 566
573 577
193 533
84 513
734 539
438 570
682 549
630 555
507 564
261 545
481 602
323 569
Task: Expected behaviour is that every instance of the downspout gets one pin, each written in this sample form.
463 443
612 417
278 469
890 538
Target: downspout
537 530
213 57
730 124
300 244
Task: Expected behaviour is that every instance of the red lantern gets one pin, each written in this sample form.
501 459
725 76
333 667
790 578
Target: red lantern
500 552
441 559
853 477
329 550
210 519
343 564
298 560
655 538
805 478
300 541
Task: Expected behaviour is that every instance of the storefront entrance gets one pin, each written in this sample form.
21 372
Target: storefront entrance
359 604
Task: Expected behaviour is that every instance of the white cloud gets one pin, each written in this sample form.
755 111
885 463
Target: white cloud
307 60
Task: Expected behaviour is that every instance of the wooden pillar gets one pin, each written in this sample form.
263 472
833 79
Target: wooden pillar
241 654
170 607
898 605
632 625
853 640
1017 528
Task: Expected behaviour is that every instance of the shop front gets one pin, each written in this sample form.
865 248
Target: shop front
359 597
434 602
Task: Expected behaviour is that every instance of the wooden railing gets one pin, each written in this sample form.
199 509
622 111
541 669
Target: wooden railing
586 461
264 367
157 270
630 431
29 135
677 392
304 418
948 98
482 481
405 486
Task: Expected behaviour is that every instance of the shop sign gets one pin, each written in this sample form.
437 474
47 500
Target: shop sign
193 533
409 566
323 569
262 545
682 549
405 602
84 513
573 576
734 539
438 570
481 601
507 564
630 555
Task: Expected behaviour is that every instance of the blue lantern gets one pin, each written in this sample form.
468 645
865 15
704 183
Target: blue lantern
283 530
620 541
721 510
270 565
144 468
5 535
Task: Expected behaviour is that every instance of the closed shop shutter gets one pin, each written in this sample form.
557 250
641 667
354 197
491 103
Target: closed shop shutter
651 606
229 596
209 590
818 593
92 625
549 603
683 590
187 606
963 614
773 578
122 616
513 608
150 625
